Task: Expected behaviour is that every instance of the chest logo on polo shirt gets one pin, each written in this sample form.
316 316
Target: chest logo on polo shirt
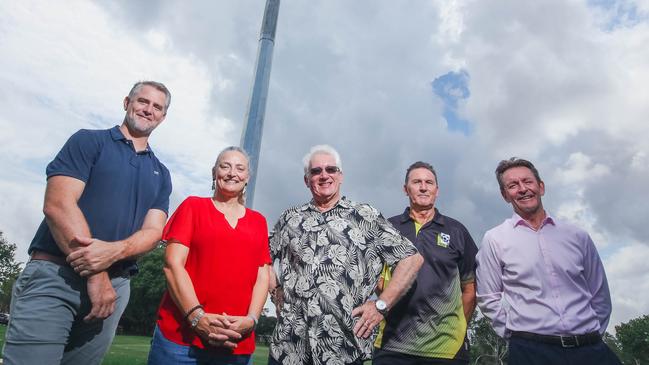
155 172
443 240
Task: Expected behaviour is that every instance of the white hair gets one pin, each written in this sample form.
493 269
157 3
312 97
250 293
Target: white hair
321 149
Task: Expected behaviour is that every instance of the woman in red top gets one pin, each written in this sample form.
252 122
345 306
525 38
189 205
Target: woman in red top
216 265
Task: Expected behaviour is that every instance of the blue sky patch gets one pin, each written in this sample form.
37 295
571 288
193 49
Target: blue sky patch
452 88
620 13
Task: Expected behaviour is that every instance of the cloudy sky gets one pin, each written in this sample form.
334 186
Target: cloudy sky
461 84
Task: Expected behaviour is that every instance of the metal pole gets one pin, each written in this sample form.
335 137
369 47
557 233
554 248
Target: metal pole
252 130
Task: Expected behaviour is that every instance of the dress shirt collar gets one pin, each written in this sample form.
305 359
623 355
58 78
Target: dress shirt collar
517 220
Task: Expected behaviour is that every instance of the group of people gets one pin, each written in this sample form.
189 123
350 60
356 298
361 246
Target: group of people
349 285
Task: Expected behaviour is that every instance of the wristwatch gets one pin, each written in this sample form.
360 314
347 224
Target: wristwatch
200 314
381 307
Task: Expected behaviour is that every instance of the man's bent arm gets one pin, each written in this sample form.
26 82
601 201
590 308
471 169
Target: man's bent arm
468 300
402 278
66 222
98 255
62 214
489 291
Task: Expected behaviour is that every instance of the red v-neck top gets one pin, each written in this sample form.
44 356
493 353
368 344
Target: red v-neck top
222 263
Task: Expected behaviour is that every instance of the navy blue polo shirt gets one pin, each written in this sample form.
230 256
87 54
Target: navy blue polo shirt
121 185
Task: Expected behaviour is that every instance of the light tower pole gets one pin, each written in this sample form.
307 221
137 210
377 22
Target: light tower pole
254 124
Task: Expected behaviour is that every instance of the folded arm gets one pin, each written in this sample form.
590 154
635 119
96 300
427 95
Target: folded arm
93 255
402 278
67 224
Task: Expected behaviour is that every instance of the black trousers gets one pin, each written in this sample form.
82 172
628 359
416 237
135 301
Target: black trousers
528 352
385 357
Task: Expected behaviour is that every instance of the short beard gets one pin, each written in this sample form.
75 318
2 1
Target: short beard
134 127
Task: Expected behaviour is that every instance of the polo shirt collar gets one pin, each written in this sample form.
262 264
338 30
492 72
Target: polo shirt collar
117 135
438 218
517 220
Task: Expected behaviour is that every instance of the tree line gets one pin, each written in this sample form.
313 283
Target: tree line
630 342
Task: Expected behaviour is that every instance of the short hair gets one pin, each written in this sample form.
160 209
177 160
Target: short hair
505 165
157 85
242 196
323 149
421 165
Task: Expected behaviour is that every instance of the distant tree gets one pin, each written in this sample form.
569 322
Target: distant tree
486 346
265 327
9 271
146 291
633 339
614 345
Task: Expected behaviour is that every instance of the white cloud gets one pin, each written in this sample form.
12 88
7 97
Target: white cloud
628 280
70 68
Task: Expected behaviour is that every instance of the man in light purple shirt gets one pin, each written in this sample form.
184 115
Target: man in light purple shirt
540 280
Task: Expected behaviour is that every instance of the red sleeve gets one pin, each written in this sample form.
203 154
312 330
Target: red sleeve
181 224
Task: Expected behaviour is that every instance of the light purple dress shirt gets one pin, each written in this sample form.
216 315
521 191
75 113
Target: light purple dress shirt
549 281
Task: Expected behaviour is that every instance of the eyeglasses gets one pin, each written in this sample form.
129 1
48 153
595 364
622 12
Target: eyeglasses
328 169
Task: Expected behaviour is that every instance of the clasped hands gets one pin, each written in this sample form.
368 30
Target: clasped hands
218 330
90 258
91 255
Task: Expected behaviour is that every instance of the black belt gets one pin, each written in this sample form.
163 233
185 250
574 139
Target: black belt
44 256
563 341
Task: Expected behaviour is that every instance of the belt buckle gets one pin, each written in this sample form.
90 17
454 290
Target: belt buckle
568 344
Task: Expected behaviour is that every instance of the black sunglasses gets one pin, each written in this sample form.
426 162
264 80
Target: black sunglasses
328 169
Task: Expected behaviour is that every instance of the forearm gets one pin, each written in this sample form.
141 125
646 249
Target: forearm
65 221
402 278
181 288
259 292
139 243
468 300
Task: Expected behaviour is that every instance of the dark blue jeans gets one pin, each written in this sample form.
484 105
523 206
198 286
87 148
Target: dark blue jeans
165 352
527 352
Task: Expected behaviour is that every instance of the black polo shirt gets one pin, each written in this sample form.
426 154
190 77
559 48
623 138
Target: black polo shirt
429 320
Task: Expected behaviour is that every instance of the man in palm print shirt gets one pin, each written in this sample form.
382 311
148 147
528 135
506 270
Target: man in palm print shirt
328 255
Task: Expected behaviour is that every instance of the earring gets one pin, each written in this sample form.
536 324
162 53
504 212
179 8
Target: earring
214 184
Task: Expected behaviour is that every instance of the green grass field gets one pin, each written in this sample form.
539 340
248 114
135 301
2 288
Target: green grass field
133 350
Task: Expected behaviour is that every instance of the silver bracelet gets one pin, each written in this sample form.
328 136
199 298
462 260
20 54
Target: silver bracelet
254 319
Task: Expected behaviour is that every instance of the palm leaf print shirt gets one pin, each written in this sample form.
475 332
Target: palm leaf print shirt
328 263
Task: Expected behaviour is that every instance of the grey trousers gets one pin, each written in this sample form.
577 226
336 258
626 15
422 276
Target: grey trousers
46 323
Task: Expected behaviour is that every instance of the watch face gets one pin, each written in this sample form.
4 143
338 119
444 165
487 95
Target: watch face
381 305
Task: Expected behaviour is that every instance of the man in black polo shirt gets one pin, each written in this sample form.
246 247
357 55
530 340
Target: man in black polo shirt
106 202
428 325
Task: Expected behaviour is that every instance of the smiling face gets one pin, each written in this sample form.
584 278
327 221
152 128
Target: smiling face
523 191
231 173
421 189
324 186
144 111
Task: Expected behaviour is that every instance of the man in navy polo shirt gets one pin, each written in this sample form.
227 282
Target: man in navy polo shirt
428 325
106 202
